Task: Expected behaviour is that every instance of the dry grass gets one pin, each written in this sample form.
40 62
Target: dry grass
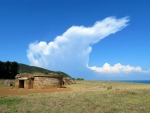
85 97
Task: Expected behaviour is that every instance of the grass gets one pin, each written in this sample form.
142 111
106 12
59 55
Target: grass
85 97
9 101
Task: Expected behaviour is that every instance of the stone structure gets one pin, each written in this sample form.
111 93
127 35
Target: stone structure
29 81
68 81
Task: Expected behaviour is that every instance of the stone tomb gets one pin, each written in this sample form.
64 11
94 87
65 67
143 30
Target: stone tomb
40 81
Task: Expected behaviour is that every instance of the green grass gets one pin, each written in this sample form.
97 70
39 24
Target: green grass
9 104
85 97
9 101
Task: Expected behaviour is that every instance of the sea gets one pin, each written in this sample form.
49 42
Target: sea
136 81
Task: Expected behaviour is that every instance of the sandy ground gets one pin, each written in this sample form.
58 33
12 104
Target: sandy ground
21 91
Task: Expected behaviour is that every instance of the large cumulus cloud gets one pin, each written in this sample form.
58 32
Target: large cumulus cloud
71 50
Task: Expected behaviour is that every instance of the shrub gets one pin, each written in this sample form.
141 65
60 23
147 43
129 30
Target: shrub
132 93
109 87
80 79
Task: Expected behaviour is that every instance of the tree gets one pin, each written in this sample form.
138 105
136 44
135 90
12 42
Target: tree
13 70
1 70
8 70
7 66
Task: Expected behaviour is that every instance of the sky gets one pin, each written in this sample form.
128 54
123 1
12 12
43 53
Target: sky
90 39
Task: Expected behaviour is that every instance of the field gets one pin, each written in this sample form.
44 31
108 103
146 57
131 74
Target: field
83 97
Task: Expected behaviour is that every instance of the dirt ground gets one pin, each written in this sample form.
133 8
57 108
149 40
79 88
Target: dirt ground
21 91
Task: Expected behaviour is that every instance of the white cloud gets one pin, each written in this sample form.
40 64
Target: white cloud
71 50
117 69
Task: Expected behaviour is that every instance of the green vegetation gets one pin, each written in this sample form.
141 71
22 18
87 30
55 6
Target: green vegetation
8 70
85 97
23 68
109 87
80 79
9 101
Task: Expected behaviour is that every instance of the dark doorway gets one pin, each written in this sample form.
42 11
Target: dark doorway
21 83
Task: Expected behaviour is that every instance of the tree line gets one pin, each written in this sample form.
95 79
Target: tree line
8 70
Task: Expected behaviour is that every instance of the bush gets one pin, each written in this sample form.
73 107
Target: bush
132 93
109 87
80 79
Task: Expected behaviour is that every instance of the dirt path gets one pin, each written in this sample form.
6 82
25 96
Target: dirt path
20 92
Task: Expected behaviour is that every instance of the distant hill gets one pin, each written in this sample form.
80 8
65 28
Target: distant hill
23 68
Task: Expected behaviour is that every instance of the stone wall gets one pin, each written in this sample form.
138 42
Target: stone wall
46 82
7 82
68 81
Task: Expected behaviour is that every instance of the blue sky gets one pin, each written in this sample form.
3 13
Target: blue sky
27 28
